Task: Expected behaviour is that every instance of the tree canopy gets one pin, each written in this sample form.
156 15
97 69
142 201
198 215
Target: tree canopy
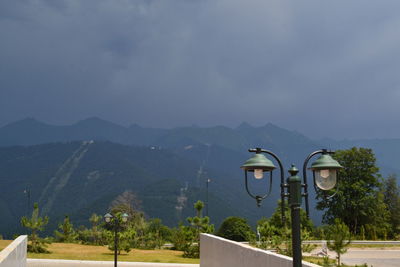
235 228
391 193
358 201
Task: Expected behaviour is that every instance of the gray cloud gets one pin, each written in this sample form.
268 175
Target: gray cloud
172 63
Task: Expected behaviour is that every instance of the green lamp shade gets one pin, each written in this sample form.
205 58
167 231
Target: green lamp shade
325 170
325 162
258 164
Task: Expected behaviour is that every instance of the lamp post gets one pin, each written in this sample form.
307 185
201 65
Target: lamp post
115 222
324 175
207 182
27 191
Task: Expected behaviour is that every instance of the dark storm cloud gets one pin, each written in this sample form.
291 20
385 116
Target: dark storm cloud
163 63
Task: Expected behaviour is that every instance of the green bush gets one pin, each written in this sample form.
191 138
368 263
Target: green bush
235 228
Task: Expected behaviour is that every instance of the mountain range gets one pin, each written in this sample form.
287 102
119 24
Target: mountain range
79 169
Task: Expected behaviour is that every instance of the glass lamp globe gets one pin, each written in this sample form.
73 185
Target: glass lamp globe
325 178
124 217
325 170
108 217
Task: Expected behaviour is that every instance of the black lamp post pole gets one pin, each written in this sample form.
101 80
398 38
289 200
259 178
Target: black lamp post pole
115 241
115 223
207 182
294 183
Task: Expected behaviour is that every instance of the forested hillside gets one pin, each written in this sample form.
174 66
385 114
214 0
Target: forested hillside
79 178
79 169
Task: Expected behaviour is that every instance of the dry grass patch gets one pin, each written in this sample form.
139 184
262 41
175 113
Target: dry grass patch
67 251
4 243
102 253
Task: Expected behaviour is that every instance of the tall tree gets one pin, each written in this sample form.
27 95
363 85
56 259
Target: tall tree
198 225
36 224
118 230
96 234
67 232
157 234
269 236
358 201
391 192
127 202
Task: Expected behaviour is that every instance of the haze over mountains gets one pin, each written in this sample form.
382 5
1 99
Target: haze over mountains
79 169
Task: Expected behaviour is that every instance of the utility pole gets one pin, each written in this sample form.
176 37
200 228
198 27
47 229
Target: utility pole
207 182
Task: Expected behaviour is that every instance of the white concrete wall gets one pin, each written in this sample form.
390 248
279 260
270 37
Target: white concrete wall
14 255
219 252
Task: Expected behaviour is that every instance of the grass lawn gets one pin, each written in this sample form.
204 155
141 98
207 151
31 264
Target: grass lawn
4 243
100 253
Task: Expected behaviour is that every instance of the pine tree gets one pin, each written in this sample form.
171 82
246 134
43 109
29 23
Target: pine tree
36 224
198 224
67 232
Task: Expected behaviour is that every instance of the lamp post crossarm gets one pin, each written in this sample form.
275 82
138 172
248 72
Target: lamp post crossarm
305 186
283 184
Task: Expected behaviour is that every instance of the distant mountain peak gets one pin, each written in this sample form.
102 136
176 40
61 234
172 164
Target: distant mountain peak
244 125
271 125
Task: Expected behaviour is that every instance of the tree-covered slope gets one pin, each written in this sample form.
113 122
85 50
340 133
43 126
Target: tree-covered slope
79 178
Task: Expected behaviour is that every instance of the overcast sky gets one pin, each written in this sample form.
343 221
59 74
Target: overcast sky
322 68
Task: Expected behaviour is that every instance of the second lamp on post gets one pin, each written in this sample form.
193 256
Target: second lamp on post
325 176
115 221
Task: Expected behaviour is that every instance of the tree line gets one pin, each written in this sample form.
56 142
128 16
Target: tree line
137 232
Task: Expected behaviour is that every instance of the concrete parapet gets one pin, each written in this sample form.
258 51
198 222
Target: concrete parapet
219 252
14 255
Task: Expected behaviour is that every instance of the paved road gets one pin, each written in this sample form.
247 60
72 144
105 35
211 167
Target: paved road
360 242
374 257
70 263
385 257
